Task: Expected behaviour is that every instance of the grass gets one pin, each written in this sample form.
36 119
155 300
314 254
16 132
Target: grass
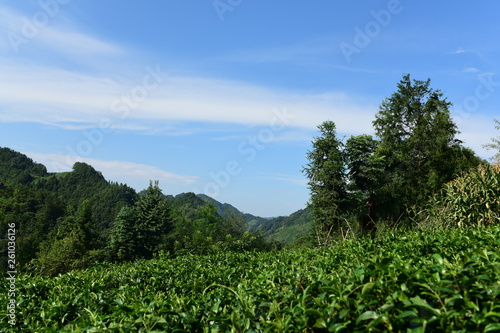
420 281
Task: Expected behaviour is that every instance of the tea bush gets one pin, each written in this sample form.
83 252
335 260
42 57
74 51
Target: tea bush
415 282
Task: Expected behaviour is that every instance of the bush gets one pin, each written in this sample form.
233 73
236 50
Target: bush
61 256
442 281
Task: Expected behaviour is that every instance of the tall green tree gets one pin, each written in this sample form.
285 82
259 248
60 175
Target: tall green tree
204 231
84 224
210 223
417 140
153 220
68 249
122 243
365 170
327 182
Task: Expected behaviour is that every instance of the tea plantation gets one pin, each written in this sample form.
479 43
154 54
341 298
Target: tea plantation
414 282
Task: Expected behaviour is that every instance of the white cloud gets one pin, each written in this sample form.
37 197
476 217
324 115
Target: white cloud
471 70
74 100
460 50
30 30
77 44
133 174
287 135
47 95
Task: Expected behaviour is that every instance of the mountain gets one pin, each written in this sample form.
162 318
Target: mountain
46 207
17 168
85 183
284 229
72 219
224 209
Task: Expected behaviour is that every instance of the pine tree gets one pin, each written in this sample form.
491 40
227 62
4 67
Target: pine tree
327 183
210 222
417 140
153 220
122 244
83 225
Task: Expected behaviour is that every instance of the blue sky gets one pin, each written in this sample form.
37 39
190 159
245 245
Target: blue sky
223 97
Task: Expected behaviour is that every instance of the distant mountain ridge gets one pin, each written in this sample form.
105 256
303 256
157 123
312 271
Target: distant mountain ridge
282 228
225 208
86 183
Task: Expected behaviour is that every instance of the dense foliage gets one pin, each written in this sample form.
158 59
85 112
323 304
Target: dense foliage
419 145
435 282
327 182
71 220
365 182
472 200
17 168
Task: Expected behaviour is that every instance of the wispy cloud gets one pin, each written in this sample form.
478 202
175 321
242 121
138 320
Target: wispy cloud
21 34
133 174
77 43
293 134
47 95
460 50
313 48
471 70
35 91
301 181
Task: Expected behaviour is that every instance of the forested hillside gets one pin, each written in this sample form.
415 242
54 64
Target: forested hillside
47 207
225 209
73 219
16 168
285 229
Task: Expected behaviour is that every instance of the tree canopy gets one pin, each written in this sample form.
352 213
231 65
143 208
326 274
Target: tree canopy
327 181
364 180
418 142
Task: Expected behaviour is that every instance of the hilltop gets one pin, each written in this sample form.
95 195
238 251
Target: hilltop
86 183
78 217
